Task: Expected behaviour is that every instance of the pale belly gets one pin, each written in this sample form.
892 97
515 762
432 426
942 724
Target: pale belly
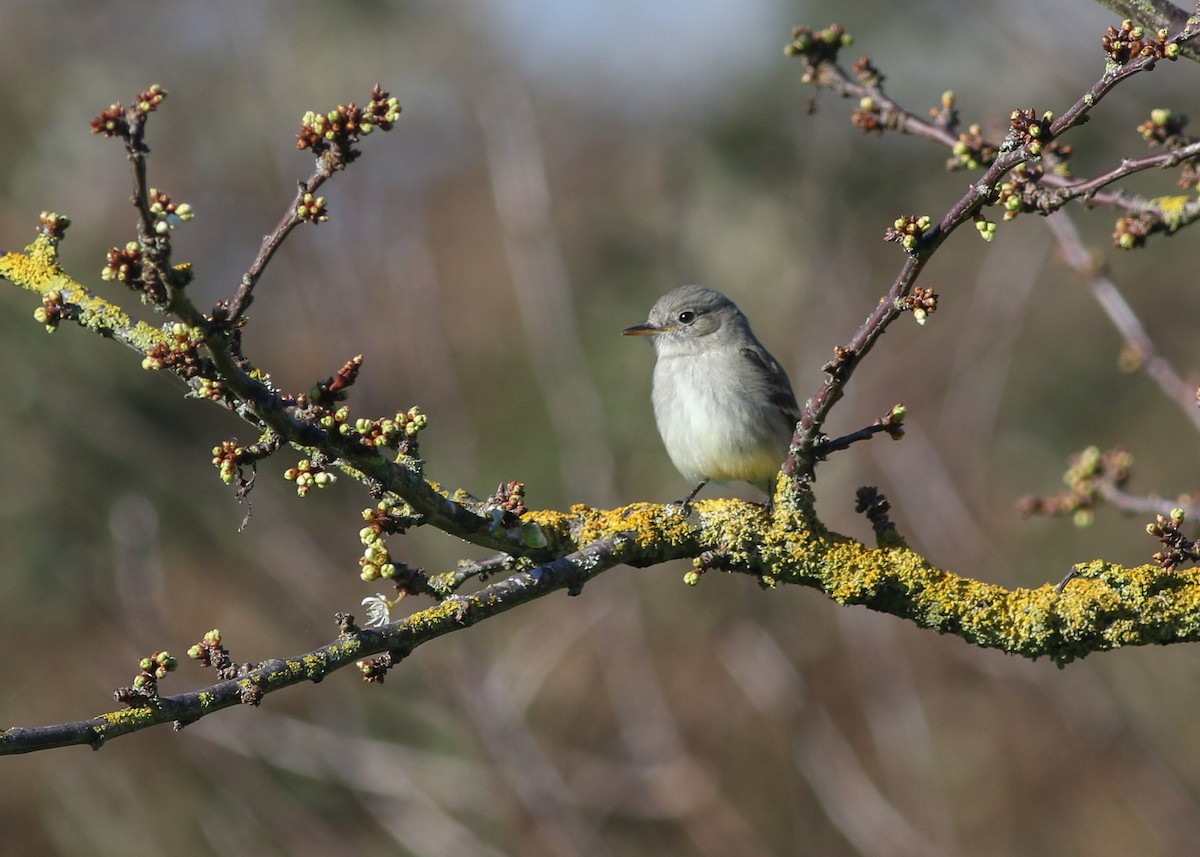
717 432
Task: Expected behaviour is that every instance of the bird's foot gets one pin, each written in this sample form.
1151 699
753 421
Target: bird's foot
684 506
680 507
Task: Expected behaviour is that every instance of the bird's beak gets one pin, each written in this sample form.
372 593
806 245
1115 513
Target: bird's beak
643 329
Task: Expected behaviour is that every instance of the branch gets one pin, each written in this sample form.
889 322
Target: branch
1123 318
396 640
892 424
1108 606
332 137
1094 476
248 393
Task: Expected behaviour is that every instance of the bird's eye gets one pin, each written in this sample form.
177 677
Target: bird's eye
687 317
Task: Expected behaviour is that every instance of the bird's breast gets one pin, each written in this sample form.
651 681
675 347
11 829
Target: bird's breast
716 418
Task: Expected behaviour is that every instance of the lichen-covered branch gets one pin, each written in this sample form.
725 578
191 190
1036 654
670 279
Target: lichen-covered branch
1105 607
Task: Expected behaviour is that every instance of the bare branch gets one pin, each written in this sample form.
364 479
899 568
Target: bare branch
1123 318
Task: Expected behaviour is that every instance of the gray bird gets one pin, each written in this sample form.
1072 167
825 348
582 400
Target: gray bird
724 406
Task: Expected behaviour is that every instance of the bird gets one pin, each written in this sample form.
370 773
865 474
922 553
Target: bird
724 406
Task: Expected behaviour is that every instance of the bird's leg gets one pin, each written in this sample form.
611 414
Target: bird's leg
685 505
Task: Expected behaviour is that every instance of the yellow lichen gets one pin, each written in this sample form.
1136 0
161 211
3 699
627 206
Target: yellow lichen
37 270
1173 208
130 718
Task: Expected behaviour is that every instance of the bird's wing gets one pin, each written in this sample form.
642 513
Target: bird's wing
780 395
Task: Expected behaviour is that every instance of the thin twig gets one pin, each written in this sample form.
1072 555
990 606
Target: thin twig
1123 318
274 239
825 447
1144 503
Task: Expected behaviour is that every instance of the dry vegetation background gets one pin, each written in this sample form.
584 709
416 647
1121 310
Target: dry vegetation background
558 166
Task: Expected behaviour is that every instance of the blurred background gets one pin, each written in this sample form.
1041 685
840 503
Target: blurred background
559 166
